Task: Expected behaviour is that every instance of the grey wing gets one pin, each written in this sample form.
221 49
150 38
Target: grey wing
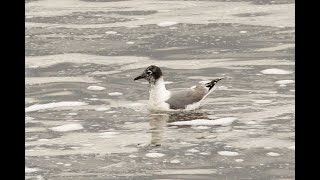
180 99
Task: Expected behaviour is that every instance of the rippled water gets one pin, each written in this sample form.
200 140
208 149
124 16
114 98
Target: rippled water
87 119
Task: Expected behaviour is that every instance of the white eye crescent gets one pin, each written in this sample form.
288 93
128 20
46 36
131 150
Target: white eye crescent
149 72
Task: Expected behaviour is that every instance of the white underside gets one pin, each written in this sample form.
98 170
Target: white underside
193 106
158 95
159 107
166 107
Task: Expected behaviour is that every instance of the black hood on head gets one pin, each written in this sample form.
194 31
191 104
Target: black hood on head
156 71
151 73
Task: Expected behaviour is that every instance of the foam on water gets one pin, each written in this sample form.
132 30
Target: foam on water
201 127
263 101
46 80
277 48
107 134
275 71
193 150
188 171
43 140
273 154
29 100
27 118
251 122
155 155
228 153
238 160
111 32
96 88
103 109
281 82
205 122
174 161
30 170
67 127
37 107
39 177
166 23
222 88
292 147
115 94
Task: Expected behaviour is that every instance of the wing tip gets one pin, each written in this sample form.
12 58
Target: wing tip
211 84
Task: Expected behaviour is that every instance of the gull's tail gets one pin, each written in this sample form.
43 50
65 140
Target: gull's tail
211 84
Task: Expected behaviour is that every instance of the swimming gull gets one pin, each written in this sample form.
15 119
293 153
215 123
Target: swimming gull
164 100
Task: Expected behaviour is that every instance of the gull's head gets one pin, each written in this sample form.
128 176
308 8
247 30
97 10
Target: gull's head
151 74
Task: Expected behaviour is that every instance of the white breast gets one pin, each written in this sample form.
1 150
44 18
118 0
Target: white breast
158 95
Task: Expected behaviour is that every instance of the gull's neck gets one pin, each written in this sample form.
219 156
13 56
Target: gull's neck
158 85
158 91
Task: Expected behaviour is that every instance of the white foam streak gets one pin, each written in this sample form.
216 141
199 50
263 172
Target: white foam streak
284 82
205 122
166 23
30 170
96 88
67 127
228 153
155 155
275 71
115 94
37 107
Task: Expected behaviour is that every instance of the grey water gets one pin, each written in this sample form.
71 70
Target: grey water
87 119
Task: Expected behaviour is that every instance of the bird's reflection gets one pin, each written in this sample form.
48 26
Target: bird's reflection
159 122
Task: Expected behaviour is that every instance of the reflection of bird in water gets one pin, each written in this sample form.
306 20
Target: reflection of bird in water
158 123
162 99
187 116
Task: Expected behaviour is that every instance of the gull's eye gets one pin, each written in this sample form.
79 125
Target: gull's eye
149 72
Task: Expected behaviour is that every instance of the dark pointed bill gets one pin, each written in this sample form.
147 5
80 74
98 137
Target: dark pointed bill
139 77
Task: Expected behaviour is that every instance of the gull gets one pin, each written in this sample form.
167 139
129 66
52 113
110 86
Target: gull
161 99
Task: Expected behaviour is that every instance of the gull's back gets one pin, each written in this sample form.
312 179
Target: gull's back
180 99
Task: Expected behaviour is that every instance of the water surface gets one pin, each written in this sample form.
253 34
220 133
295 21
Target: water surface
87 119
